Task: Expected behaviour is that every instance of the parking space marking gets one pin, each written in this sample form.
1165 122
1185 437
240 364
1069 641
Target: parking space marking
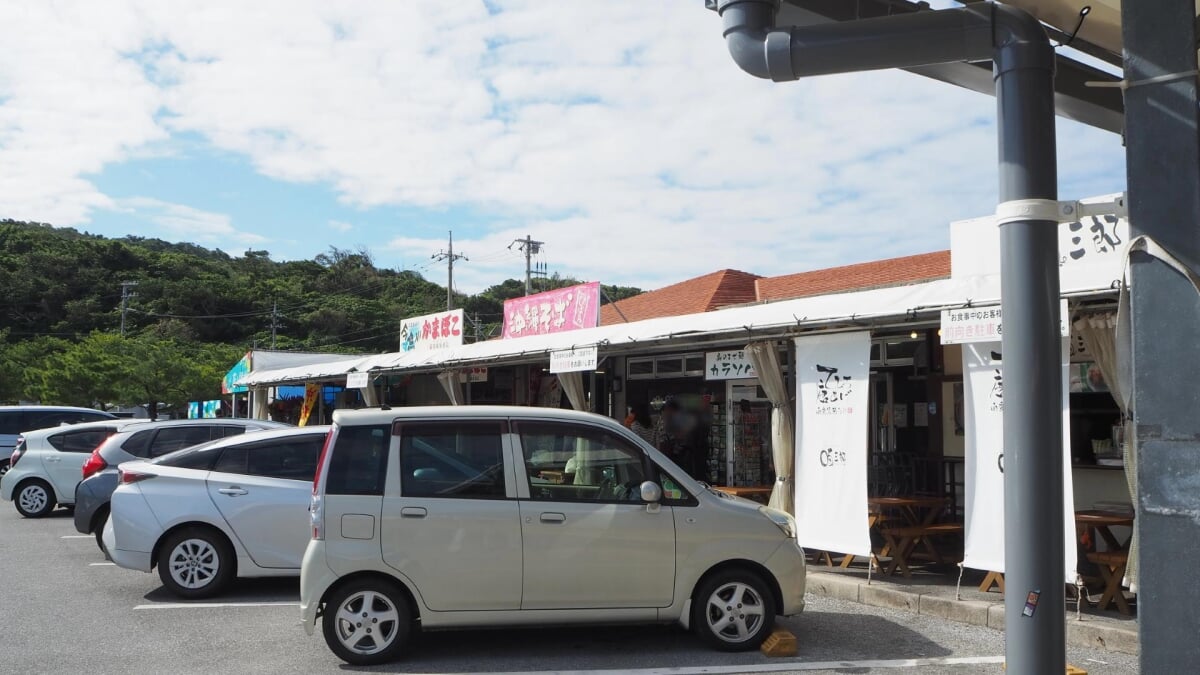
787 666
104 564
209 605
78 536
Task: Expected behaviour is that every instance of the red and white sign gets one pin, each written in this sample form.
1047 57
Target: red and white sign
555 311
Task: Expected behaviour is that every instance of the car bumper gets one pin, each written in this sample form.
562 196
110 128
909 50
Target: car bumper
788 566
7 483
92 495
133 560
315 579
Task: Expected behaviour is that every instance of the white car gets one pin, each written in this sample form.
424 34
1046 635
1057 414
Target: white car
47 464
473 516
236 507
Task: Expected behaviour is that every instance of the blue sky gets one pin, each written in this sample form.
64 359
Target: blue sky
634 149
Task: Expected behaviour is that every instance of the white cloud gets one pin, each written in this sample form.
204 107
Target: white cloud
187 223
620 133
340 226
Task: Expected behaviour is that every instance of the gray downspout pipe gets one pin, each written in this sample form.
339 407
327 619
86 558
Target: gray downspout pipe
1024 69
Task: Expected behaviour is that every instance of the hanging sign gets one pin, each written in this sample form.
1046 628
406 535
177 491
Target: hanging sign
984 509
570 360
554 311
831 442
982 324
239 370
477 374
432 331
357 380
730 365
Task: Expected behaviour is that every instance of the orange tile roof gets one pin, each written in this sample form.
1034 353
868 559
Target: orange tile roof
701 294
875 274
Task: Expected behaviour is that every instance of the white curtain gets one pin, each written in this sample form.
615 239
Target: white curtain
572 384
449 380
1099 333
259 396
765 358
370 396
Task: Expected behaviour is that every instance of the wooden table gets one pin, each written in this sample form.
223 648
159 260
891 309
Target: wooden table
1111 561
917 527
759 494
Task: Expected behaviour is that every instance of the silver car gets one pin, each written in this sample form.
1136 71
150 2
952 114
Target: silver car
146 441
442 517
237 507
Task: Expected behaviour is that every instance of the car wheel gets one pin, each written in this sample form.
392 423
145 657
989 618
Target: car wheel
733 611
4 467
367 622
34 499
196 563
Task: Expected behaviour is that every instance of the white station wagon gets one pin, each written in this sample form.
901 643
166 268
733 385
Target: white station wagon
473 516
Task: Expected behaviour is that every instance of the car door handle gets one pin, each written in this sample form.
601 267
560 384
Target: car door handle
233 491
413 512
54 459
554 518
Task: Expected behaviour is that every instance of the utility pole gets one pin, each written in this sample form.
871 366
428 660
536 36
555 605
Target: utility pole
531 248
125 296
449 256
274 322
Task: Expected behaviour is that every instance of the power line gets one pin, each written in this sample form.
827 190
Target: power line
449 256
530 248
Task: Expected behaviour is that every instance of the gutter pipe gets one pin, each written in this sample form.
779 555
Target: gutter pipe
1023 70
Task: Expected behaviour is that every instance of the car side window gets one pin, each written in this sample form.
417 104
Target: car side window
455 460
170 439
79 441
226 432
232 460
358 460
290 459
138 443
566 462
10 423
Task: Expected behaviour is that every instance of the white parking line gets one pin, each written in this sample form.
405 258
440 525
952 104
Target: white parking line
788 666
208 605
78 536
107 564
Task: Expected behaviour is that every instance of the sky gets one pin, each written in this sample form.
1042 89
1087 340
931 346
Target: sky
619 133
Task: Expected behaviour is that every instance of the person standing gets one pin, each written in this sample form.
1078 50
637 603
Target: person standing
641 423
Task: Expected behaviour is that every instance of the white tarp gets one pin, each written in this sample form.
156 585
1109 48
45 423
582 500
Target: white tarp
984 409
832 376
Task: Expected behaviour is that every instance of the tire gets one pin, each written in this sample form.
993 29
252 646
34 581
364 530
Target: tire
4 466
34 498
351 606
99 521
196 562
733 611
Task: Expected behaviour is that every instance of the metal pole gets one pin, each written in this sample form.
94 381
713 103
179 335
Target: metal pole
450 279
1034 598
528 258
1163 165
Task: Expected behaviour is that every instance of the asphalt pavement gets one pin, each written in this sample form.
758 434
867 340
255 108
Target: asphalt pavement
63 609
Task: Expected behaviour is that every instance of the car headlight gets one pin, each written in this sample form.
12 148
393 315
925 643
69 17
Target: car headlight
784 521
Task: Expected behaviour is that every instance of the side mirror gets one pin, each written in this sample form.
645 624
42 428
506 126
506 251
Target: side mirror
651 492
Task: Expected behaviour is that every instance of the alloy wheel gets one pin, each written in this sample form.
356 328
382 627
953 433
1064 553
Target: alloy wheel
735 612
367 622
194 563
33 498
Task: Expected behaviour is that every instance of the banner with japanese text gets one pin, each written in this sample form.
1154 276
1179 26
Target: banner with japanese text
312 391
432 331
984 421
554 311
730 365
832 376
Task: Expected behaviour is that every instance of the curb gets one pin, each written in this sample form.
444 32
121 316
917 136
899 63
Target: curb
974 612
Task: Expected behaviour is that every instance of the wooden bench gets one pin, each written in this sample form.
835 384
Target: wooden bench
902 541
1112 570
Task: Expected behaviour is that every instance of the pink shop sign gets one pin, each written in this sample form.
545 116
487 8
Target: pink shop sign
554 311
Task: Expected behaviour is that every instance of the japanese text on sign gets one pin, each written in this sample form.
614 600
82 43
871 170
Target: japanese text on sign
983 324
554 311
570 360
730 365
432 331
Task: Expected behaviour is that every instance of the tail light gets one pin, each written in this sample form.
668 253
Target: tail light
126 477
94 464
316 508
18 450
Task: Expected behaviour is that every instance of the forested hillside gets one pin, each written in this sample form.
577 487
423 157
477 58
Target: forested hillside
192 312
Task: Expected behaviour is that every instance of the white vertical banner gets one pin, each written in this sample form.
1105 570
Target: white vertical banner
984 408
832 377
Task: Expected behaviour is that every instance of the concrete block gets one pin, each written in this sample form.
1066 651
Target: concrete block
1092 634
996 616
879 596
974 612
833 586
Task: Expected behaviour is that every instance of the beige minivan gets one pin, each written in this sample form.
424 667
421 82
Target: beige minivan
474 516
